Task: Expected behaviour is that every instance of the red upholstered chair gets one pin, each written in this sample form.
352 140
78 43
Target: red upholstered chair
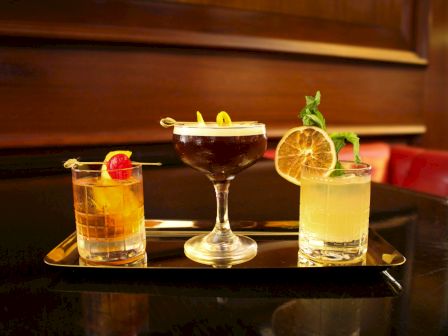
376 154
405 166
400 161
428 173
269 154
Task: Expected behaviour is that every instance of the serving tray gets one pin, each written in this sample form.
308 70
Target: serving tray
277 249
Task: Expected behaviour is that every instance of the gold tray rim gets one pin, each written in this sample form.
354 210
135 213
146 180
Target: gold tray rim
168 228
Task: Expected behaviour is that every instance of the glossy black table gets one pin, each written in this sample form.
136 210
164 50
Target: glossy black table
37 299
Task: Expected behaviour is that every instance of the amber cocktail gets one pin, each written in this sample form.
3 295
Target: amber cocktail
110 221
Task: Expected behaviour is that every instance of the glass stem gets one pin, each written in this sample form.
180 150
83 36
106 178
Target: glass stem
222 226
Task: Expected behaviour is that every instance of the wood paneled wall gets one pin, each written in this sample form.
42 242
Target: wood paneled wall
90 73
436 80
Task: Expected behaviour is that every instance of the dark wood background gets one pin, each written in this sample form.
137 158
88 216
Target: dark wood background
90 73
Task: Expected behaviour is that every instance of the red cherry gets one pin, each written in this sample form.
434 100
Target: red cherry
119 161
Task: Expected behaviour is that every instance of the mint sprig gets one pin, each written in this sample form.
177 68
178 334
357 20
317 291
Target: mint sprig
311 116
341 138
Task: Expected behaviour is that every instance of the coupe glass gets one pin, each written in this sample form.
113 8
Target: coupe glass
220 152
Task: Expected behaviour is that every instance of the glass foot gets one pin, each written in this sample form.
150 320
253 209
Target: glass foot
205 250
137 261
306 260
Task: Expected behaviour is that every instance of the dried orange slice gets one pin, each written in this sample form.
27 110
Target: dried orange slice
304 145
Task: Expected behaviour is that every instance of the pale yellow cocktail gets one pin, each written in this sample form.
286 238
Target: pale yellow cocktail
334 212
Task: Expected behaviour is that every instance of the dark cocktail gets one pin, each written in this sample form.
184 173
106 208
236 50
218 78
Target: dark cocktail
220 152
220 157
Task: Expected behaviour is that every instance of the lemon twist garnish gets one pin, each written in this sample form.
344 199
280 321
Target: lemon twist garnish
199 118
223 119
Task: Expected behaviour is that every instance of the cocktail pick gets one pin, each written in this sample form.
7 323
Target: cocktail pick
70 163
170 122
167 122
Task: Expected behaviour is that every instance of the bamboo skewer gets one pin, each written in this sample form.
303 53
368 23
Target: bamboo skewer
70 163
